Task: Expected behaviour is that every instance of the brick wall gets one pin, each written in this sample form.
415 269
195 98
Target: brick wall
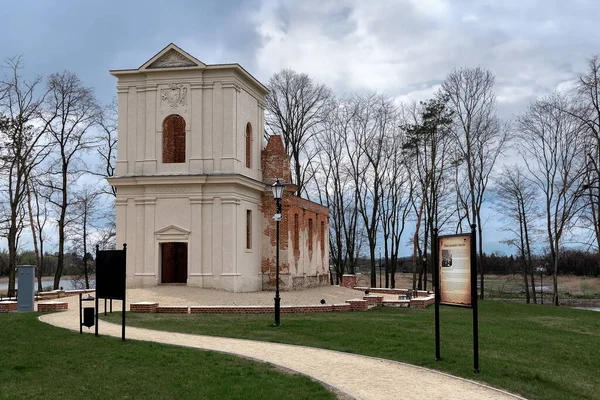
303 257
8 306
148 306
349 281
173 309
143 307
52 306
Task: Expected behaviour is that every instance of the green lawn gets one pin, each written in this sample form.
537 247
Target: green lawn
540 352
40 361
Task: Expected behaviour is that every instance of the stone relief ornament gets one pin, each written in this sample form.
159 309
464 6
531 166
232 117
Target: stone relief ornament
172 59
175 95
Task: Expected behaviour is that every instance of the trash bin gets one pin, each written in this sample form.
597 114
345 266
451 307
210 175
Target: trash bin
87 319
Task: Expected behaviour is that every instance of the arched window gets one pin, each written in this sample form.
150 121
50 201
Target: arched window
173 140
248 145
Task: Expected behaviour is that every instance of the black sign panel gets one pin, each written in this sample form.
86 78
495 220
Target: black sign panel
110 274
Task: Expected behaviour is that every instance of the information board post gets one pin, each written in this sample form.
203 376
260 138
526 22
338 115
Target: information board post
456 280
124 277
436 272
111 274
474 299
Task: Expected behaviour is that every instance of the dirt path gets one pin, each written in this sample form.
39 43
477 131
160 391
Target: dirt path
354 375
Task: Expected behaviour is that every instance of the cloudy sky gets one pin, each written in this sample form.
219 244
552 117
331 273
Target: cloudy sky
404 48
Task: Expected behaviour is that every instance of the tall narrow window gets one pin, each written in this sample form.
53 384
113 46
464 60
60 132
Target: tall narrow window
248 145
310 235
248 229
322 237
173 140
296 233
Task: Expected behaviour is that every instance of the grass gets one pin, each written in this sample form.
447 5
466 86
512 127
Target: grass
41 361
540 352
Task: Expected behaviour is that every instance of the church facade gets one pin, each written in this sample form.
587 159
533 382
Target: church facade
193 201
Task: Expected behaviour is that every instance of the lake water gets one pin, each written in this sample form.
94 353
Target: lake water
66 284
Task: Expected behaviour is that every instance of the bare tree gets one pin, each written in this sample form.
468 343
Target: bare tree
86 212
374 120
335 189
397 191
586 109
552 146
23 148
479 135
515 200
427 141
71 112
296 108
107 149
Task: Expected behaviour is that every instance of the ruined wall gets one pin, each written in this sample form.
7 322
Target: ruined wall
304 229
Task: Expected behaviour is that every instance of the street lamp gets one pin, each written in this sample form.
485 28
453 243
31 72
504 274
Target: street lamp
380 269
541 271
277 188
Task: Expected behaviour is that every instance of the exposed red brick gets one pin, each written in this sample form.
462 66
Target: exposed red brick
144 307
53 306
349 281
8 306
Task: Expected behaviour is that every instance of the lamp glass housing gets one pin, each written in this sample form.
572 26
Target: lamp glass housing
277 188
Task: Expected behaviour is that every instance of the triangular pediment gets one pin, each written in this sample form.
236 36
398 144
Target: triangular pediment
172 230
172 57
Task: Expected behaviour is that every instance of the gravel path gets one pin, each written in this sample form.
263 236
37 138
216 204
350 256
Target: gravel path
353 375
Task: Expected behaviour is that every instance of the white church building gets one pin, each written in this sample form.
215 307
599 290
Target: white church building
193 201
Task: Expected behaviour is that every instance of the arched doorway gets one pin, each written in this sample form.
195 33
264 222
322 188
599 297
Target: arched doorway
174 262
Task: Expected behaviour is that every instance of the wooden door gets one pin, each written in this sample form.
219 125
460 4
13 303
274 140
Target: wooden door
174 262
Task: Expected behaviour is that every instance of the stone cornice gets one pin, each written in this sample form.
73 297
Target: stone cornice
187 179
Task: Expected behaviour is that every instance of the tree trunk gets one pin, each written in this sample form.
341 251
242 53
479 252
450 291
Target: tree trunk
529 263
555 281
61 230
12 260
85 257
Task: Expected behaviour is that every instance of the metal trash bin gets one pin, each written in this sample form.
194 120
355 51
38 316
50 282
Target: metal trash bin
88 317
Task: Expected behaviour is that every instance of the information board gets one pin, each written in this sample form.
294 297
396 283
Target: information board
110 274
455 269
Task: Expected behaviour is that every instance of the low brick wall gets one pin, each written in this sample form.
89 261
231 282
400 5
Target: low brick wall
358 304
350 305
173 309
231 310
143 307
348 281
52 306
373 300
306 309
8 306
268 309
342 307
422 302
420 293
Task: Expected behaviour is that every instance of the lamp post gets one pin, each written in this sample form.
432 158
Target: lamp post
277 188
541 271
380 268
